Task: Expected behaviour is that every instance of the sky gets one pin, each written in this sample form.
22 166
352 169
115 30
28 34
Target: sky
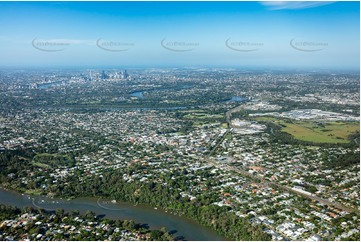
280 35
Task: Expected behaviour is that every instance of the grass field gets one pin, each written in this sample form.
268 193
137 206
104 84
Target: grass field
331 132
202 116
36 192
39 164
224 125
45 160
192 111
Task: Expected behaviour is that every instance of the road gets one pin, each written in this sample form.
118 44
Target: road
261 179
229 113
219 142
281 187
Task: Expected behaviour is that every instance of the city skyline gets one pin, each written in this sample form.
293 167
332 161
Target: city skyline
289 35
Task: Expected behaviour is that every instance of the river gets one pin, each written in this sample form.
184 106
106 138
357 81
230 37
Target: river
138 94
237 99
154 218
50 84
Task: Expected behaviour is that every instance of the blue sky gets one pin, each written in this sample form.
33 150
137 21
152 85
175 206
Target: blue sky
312 35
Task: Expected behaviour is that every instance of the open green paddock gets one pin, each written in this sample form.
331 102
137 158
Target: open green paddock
315 131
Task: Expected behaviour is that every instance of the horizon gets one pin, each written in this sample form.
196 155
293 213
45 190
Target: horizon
248 35
187 68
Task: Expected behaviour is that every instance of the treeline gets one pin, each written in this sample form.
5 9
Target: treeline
341 160
277 135
8 212
112 186
355 138
163 195
344 160
76 219
14 164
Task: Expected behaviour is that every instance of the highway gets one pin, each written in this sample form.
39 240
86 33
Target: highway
285 188
219 142
261 179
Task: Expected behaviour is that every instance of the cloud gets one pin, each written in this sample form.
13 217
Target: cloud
279 5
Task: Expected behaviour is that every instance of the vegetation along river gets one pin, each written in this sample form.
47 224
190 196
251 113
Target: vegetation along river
154 218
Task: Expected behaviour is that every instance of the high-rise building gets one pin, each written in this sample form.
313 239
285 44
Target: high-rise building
103 76
90 76
125 74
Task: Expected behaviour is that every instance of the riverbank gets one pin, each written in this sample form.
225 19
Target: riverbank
154 218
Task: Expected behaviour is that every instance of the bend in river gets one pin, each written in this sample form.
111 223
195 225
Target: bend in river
155 219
